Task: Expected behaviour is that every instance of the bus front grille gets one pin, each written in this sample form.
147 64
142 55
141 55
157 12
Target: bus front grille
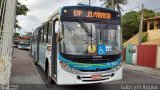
88 78
90 59
95 70
94 80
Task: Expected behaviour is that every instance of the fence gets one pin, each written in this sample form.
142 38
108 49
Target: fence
147 55
7 22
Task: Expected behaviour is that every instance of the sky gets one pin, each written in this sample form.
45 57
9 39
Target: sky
40 10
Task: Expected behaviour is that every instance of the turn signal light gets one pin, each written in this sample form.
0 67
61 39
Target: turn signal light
67 68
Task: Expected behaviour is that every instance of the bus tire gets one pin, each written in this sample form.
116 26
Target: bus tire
35 60
35 63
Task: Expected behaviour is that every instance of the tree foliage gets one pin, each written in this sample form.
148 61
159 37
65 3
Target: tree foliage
20 10
16 35
148 13
130 22
144 38
117 3
157 13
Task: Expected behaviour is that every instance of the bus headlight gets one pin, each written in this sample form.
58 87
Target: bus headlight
118 67
67 68
19 47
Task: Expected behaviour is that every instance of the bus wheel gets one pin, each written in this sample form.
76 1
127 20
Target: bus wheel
35 60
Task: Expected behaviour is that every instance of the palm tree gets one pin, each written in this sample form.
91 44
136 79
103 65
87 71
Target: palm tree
117 3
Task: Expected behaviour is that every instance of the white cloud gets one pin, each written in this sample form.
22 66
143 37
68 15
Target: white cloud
40 10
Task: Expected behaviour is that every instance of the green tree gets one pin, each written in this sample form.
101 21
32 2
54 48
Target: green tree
157 13
144 37
16 35
20 10
148 13
117 3
130 24
131 20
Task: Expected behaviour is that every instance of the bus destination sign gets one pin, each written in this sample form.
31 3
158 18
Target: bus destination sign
89 13
92 14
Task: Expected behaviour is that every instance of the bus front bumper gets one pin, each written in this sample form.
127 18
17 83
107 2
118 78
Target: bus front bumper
66 78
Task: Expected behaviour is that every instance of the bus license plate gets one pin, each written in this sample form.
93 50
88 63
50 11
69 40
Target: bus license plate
96 77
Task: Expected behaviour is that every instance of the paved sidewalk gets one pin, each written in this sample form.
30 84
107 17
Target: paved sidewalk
148 70
23 72
1 71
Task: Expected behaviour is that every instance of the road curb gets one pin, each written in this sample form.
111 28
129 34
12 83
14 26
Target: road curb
153 71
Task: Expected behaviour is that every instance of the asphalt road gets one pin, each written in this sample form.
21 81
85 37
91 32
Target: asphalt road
129 77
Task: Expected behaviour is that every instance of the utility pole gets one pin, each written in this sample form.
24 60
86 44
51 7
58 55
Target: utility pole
113 5
141 26
89 2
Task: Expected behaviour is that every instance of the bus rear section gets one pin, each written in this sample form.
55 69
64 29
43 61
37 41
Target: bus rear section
24 43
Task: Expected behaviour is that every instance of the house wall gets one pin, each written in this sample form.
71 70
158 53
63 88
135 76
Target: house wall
158 57
153 35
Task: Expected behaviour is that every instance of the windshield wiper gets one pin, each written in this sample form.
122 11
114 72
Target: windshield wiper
85 28
88 32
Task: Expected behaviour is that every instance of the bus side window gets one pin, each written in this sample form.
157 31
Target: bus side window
36 38
50 32
45 34
47 27
42 35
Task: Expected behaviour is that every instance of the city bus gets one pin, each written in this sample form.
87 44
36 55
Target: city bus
24 42
79 45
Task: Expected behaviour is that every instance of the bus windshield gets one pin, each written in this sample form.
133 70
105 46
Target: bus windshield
77 37
24 42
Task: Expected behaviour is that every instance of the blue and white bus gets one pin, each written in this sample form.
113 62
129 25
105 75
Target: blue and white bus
79 45
24 42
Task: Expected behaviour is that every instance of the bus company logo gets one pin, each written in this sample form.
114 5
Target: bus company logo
97 69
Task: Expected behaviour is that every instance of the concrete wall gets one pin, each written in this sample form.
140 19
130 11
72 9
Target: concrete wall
153 34
158 57
7 32
134 40
153 42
